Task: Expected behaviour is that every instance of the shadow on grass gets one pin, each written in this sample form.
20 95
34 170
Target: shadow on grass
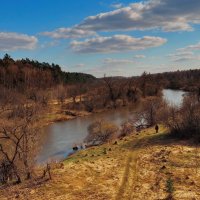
124 183
162 139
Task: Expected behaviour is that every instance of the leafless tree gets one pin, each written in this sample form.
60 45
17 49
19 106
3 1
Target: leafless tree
184 122
148 114
73 93
100 132
19 139
115 88
127 128
61 93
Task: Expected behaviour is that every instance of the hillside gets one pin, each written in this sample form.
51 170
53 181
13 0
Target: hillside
141 166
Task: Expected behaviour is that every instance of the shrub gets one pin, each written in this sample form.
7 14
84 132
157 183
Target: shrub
126 129
149 113
101 132
184 122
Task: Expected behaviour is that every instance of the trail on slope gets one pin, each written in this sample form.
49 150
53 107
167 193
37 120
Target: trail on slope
130 178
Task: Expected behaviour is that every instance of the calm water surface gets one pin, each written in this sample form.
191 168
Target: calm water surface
62 136
173 97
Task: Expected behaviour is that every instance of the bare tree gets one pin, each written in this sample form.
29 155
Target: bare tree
184 122
73 93
10 158
19 139
61 93
6 100
115 88
127 128
100 132
143 83
148 114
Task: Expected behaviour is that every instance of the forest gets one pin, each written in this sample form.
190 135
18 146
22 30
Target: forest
25 74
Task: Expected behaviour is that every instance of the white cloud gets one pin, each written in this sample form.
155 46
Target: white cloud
15 41
139 56
50 44
117 5
80 65
116 43
194 47
167 15
183 56
186 53
111 61
64 33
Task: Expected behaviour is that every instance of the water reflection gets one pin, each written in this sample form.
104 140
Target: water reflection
174 97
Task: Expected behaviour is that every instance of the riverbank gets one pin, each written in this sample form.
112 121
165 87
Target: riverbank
141 166
61 137
58 113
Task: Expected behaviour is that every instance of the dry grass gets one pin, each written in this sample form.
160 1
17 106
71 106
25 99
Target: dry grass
137 167
55 113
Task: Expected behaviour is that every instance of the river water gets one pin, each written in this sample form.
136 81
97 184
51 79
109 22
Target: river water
60 137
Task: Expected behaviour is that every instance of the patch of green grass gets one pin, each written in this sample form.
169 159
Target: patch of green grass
170 188
88 154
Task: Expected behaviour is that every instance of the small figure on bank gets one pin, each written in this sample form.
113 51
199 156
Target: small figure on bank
75 148
156 128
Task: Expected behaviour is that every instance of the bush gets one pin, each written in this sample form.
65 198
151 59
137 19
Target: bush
150 113
126 129
184 122
101 132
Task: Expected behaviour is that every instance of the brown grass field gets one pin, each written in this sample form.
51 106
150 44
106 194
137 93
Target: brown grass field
137 167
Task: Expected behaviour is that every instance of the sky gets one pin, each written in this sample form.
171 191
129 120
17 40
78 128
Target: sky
112 37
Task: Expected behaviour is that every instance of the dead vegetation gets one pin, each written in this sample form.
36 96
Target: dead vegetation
145 166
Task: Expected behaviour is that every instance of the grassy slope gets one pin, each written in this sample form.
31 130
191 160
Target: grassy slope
138 167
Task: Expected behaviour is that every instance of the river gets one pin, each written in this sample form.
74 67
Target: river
60 137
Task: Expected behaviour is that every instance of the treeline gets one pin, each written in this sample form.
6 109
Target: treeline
188 80
25 74
112 92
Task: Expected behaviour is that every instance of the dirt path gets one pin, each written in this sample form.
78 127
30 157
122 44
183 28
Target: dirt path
130 178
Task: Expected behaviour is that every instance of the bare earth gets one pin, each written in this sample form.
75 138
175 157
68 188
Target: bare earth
137 167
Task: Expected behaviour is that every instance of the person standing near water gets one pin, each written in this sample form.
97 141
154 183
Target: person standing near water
156 128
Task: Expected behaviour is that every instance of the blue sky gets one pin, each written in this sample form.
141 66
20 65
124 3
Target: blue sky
103 37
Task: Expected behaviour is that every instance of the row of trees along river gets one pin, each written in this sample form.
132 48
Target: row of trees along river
62 136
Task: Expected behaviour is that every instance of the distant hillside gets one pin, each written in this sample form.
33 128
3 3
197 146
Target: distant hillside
186 79
27 73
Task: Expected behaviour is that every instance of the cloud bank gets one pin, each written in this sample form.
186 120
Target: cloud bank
65 33
111 61
186 53
116 43
167 15
15 41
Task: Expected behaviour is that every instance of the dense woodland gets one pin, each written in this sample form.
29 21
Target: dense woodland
25 73
188 80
